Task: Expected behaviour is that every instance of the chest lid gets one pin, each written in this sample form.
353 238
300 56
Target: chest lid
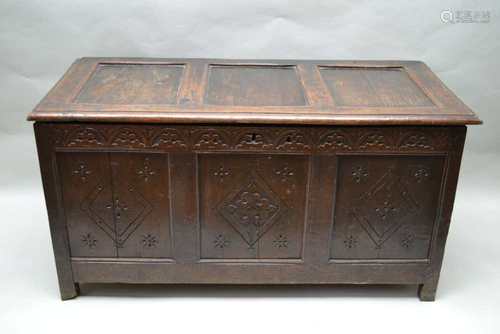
252 91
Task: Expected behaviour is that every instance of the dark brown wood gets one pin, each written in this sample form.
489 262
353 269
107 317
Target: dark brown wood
55 211
142 90
138 202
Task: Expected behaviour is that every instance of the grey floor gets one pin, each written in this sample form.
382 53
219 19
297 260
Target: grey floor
468 298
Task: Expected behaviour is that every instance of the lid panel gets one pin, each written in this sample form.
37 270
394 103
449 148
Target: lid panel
132 84
373 87
218 91
243 85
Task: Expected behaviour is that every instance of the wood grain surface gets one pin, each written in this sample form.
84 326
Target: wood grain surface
139 90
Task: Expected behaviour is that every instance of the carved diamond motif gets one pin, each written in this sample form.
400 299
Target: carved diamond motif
126 218
381 209
252 210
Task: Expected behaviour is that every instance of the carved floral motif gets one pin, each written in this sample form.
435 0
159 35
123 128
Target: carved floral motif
253 140
146 172
88 240
168 138
221 241
374 140
57 136
280 241
407 241
252 207
359 174
293 141
252 210
210 139
215 138
129 138
149 241
350 241
386 210
82 171
415 141
420 173
221 173
285 173
85 136
334 139
118 207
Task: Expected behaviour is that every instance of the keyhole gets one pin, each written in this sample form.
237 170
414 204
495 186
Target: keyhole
288 139
254 136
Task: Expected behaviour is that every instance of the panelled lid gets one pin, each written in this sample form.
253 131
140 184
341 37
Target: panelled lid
252 91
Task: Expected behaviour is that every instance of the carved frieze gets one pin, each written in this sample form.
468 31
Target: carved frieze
235 138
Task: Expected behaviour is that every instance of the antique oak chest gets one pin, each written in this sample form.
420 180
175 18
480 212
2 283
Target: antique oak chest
210 171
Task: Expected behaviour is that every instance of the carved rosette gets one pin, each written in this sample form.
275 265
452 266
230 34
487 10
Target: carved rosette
408 240
280 241
145 172
359 174
286 173
420 173
221 241
89 241
350 241
82 171
221 173
149 241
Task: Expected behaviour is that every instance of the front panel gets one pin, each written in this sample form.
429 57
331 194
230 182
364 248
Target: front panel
252 206
385 207
243 204
116 204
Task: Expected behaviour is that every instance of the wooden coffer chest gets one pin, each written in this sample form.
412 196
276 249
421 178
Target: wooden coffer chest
205 171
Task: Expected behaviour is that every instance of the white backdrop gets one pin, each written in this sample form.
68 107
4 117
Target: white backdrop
40 39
